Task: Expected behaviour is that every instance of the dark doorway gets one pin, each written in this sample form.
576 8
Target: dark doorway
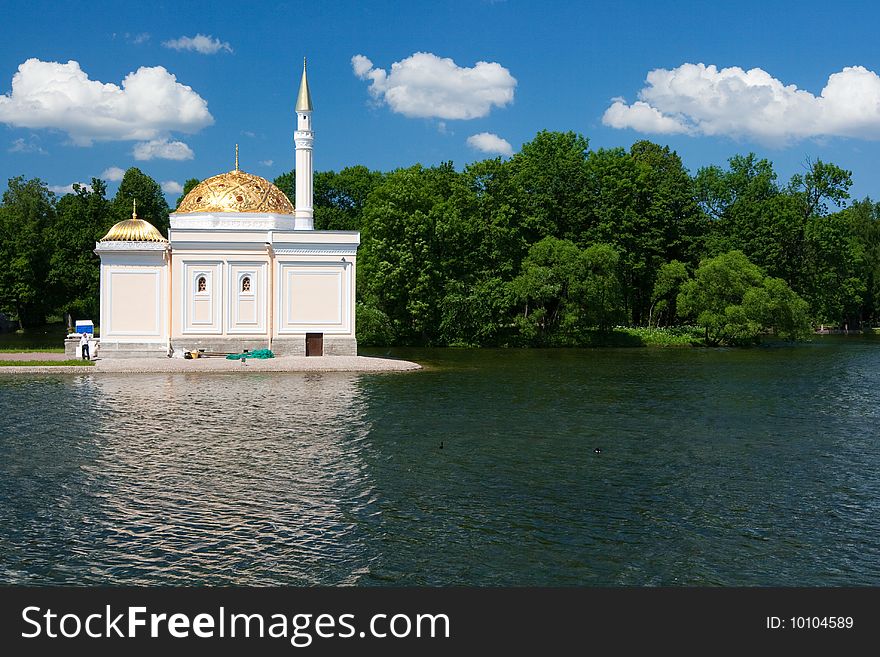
314 344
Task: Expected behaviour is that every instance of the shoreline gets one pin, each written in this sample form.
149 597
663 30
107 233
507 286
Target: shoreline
215 365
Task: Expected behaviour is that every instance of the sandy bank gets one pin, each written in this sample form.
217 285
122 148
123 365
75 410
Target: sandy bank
212 365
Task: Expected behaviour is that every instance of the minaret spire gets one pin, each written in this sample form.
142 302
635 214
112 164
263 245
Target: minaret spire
236 157
304 138
304 98
134 208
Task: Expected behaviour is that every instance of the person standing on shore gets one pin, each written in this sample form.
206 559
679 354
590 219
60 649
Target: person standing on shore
84 346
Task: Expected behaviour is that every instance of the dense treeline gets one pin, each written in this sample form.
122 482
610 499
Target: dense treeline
548 247
558 242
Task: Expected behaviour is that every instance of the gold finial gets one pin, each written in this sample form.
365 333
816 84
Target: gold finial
134 208
236 157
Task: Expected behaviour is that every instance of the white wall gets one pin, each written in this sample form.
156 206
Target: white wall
314 297
133 297
311 281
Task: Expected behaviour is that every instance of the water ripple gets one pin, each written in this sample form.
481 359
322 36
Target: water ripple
715 468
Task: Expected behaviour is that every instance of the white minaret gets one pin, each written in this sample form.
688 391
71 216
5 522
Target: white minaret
304 219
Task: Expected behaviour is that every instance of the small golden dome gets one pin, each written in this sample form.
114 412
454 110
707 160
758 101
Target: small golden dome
133 230
236 191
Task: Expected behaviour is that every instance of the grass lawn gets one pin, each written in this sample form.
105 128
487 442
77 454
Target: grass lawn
45 363
668 336
640 336
5 349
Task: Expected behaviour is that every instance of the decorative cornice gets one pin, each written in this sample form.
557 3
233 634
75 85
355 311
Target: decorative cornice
232 221
193 246
318 249
130 246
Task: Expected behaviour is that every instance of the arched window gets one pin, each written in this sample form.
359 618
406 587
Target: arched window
202 284
246 284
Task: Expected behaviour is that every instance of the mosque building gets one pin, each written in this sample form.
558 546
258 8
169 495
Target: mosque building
242 268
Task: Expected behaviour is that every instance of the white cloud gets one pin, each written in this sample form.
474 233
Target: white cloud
113 174
21 145
427 86
149 104
162 149
67 189
267 163
641 117
703 100
204 44
138 39
488 142
362 66
172 187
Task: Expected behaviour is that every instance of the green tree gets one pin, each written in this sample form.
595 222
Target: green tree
597 287
374 327
401 268
484 231
340 197
151 203
774 306
544 289
643 203
714 297
476 313
549 175
27 213
811 193
732 299
770 224
564 290
666 288
668 199
835 278
822 184
499 238
81 219
749 213
863 227
286 182
747 180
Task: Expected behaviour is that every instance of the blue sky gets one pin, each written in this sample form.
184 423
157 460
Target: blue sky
578 66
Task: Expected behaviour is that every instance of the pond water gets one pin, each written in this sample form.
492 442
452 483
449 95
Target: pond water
714 467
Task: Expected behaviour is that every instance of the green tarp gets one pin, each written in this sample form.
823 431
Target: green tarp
256 353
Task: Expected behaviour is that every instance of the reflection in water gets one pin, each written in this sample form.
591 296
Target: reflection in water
730 467
199 479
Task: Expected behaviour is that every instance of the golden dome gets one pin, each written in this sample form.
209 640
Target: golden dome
133 230
236 191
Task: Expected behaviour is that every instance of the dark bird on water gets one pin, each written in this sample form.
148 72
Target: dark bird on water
597 451
441 444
